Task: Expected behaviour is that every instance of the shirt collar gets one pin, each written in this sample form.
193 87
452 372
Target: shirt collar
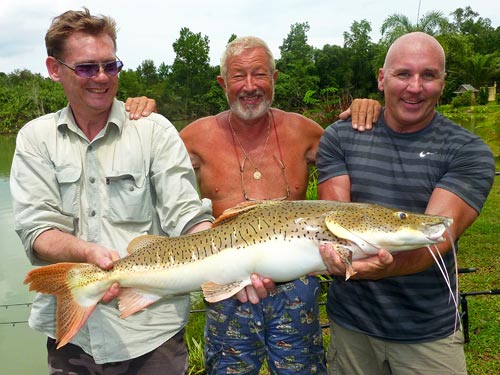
117 117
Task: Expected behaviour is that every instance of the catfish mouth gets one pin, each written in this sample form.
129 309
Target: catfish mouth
435 232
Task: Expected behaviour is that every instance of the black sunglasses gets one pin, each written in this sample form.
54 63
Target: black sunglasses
89 70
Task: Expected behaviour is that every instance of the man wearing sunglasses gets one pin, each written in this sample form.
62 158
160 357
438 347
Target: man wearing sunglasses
85 181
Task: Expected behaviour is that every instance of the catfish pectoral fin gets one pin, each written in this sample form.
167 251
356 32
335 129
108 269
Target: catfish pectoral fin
216 292
131 300
346 257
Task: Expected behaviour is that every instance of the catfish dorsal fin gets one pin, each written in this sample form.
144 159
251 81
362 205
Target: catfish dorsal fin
143 241
237 210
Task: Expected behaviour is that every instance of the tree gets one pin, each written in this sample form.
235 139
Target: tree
190 73
360 53
479 30
331 66
129 85
297 70
456 47
479 70
395 25
25 96
147 74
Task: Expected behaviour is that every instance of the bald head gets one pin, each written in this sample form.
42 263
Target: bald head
412 80
416 42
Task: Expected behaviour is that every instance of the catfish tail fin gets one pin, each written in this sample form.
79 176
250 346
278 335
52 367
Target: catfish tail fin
75 301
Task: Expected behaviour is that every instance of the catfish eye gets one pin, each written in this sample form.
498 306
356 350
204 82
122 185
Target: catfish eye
401 215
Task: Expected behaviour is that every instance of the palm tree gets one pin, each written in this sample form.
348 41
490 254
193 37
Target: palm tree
432 23
479 70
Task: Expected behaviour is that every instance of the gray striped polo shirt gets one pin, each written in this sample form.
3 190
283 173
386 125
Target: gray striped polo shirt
401 170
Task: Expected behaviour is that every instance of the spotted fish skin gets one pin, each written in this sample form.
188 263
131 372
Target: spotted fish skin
275 239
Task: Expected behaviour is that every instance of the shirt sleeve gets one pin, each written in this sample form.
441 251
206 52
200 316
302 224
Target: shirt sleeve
173 179
34 187
470 173
330 160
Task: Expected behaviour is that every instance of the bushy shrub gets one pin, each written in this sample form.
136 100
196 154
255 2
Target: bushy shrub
483 96
463 100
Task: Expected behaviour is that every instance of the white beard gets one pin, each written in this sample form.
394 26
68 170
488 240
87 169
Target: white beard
250 112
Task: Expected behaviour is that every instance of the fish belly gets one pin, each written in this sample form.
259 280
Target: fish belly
277 259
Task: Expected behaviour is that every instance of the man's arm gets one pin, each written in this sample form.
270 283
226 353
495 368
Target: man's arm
54 246
363 112
335 189
443 203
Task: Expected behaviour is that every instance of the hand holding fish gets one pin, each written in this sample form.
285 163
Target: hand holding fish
106 263
52 246
260 288
371 268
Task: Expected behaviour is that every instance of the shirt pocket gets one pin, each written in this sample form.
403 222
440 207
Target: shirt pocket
129 197
68 178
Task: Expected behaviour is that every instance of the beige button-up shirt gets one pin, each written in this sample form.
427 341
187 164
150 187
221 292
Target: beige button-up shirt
134 178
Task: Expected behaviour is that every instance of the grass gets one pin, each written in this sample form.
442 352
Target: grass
479 249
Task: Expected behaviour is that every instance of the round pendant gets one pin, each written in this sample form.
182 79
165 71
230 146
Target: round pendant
257 175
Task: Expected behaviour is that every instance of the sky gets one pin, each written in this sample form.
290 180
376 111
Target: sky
148 28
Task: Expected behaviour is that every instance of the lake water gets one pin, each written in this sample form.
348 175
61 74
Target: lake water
22 350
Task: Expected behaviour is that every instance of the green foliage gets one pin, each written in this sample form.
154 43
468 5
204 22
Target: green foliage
479 70
395 25
361 54
463 100
298 72
483 96
194 335
323 107
187 89
24 96
480 31
191 74
331 66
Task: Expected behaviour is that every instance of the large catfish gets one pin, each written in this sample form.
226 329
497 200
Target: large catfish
279 240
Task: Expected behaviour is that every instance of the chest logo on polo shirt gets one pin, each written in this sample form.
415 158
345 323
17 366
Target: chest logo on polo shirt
423 154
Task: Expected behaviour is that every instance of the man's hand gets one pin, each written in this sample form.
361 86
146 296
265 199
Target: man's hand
140 107
375 267
104 258
363 113
260 288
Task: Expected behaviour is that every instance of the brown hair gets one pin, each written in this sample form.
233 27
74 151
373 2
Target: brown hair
73 21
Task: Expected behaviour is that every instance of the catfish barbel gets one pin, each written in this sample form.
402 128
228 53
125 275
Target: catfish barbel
279 240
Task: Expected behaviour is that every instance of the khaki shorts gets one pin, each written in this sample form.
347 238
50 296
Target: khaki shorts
352 353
